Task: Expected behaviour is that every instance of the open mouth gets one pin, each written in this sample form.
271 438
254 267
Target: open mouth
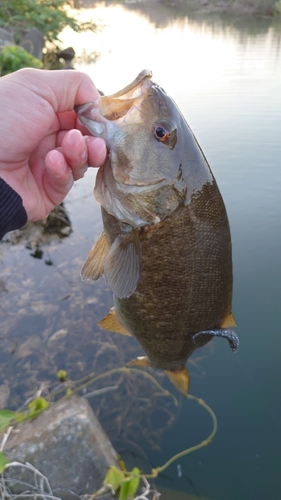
97 116
117 105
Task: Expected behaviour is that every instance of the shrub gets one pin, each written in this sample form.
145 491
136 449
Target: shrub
13 57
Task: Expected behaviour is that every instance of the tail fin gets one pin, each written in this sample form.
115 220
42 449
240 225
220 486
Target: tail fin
180 379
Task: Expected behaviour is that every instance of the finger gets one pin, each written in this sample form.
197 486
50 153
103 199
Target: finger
75 151
58 178
63 89
67 127
81 152
97 151
69 120
61 135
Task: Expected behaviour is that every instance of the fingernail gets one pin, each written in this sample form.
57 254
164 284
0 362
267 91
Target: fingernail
73 138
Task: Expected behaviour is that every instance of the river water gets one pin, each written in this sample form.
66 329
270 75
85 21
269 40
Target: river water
225 75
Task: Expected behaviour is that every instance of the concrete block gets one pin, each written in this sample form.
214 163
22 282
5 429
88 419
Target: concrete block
67 444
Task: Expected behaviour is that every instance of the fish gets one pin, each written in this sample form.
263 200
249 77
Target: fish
165 249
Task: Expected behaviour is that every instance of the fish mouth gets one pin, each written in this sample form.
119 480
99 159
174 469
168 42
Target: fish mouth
115 106
129 89
97 115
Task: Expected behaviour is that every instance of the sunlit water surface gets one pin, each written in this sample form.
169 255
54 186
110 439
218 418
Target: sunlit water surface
225 75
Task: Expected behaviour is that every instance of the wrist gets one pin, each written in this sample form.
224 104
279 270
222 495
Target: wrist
12 212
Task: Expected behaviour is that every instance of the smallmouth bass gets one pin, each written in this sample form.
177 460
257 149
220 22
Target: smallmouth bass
166 247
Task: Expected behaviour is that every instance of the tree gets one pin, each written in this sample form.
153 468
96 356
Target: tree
49 16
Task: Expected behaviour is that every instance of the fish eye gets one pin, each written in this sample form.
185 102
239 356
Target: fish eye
166 132
161 133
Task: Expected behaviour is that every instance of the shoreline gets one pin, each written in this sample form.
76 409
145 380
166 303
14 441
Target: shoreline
257 8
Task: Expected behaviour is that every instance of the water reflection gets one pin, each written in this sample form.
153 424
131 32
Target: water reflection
164 15
49 322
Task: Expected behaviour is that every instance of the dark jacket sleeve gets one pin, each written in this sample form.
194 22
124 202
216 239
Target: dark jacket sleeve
12 211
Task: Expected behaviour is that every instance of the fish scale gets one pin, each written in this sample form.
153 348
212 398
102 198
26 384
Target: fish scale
189 295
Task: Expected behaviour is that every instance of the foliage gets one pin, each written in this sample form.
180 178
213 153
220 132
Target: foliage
3 462
49 16
8 417
38 404
62 375
277 7
5 418
120 480
126 485
34 408
13 57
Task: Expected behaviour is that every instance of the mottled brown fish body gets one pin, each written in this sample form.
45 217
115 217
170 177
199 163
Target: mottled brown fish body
186 281
165 250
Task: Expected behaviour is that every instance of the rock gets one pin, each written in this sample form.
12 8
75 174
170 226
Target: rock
58 222
4 395
67 54
6 38
33 42
66 444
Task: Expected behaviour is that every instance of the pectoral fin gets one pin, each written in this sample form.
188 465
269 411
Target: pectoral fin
180 379
94 264
110 322
228 321
140 361
122 266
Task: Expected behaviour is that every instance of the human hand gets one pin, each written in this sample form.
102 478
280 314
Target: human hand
43 149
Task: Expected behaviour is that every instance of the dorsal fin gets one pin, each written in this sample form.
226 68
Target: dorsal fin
110 322
94 263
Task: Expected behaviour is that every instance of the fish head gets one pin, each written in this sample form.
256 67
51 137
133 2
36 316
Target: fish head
154 161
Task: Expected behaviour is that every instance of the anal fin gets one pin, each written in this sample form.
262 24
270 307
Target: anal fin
110 322
93 267
180 379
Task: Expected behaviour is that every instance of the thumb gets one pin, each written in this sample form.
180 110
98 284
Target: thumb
63 89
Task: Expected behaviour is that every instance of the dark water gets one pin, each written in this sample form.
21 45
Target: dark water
225 75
